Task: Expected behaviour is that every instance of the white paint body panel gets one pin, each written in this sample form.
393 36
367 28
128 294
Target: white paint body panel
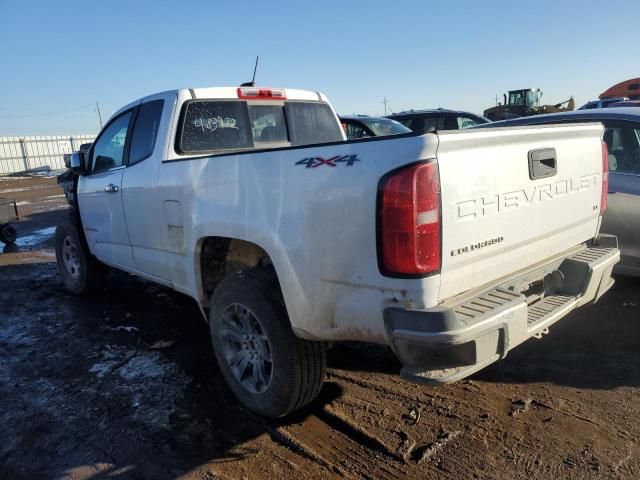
103 218
487 194
318 225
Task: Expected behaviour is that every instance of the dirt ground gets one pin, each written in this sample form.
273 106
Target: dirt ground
125 385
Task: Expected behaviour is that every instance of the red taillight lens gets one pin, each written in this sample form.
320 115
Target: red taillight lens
255 93
409 221
605 178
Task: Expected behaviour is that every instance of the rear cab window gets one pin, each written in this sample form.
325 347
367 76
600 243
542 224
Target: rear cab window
221 126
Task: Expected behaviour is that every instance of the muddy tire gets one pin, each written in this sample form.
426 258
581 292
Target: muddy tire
270 370
81 272
8 234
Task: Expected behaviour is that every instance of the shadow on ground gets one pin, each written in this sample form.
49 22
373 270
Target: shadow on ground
597 346
126 380
126 384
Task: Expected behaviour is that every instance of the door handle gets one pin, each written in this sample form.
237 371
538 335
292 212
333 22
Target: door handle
542 163
111 188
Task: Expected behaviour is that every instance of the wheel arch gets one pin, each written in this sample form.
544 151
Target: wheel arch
216 257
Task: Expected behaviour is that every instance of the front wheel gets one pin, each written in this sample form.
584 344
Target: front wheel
81 272
270 370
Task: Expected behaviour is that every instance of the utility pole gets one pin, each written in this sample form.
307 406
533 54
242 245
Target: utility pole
384 102
496 99
99 115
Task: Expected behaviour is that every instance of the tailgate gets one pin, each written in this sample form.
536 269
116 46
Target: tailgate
512 197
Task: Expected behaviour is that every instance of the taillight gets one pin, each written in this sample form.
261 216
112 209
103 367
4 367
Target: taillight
605 178
256 93
409 221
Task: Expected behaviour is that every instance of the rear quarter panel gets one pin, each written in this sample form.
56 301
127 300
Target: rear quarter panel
316 221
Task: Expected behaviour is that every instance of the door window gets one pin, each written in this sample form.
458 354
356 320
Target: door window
108 151
623 144
355 131
466 122
424 124
145 131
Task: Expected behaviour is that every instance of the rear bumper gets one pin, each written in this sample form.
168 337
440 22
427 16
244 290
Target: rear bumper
449 342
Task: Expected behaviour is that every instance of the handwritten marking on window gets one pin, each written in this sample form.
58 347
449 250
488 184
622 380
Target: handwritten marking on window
214 123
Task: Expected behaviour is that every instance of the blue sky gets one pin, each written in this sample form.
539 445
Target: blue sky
59 58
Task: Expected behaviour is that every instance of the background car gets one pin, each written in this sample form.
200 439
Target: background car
67 178
362 126
607 102
622 136
437 119
626 103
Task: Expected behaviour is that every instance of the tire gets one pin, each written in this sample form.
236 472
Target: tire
81 272
8 234
270 370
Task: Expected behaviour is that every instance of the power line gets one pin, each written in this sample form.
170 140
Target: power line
49 113
100 116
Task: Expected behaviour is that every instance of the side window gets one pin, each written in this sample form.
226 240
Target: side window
145 131
355 131
424 124
108 151
215 125
466 122
311 123
623 144
404 121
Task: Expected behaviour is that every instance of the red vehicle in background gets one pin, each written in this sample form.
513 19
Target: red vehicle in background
628 88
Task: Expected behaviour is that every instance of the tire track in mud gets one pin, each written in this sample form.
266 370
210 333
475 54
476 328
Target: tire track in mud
333 441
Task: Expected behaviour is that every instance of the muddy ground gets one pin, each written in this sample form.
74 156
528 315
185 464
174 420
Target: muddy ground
125 385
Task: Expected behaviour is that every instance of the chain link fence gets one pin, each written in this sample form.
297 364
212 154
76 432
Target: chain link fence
20 154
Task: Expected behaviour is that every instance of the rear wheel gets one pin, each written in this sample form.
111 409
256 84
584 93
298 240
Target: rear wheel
8 234
80 271
270 370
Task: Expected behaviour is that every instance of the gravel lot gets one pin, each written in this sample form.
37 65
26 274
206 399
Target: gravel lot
125 385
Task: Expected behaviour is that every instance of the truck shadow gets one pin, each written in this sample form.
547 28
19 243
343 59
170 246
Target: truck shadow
597 346
126 380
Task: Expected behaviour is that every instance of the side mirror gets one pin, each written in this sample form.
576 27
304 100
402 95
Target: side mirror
77 163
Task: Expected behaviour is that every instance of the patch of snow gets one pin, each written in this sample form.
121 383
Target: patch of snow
101 369
148 365
36 237
125 328
24 189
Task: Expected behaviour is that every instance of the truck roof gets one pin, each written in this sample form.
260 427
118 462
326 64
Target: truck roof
230 92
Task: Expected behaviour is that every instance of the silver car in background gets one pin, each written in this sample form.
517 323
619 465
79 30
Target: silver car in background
622 136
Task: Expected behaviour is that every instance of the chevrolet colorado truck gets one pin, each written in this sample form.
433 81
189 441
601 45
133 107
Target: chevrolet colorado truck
451 247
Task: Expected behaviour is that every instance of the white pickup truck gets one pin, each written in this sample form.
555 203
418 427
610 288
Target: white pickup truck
450 247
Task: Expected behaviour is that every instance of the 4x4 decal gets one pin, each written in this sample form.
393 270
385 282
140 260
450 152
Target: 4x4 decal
314 162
